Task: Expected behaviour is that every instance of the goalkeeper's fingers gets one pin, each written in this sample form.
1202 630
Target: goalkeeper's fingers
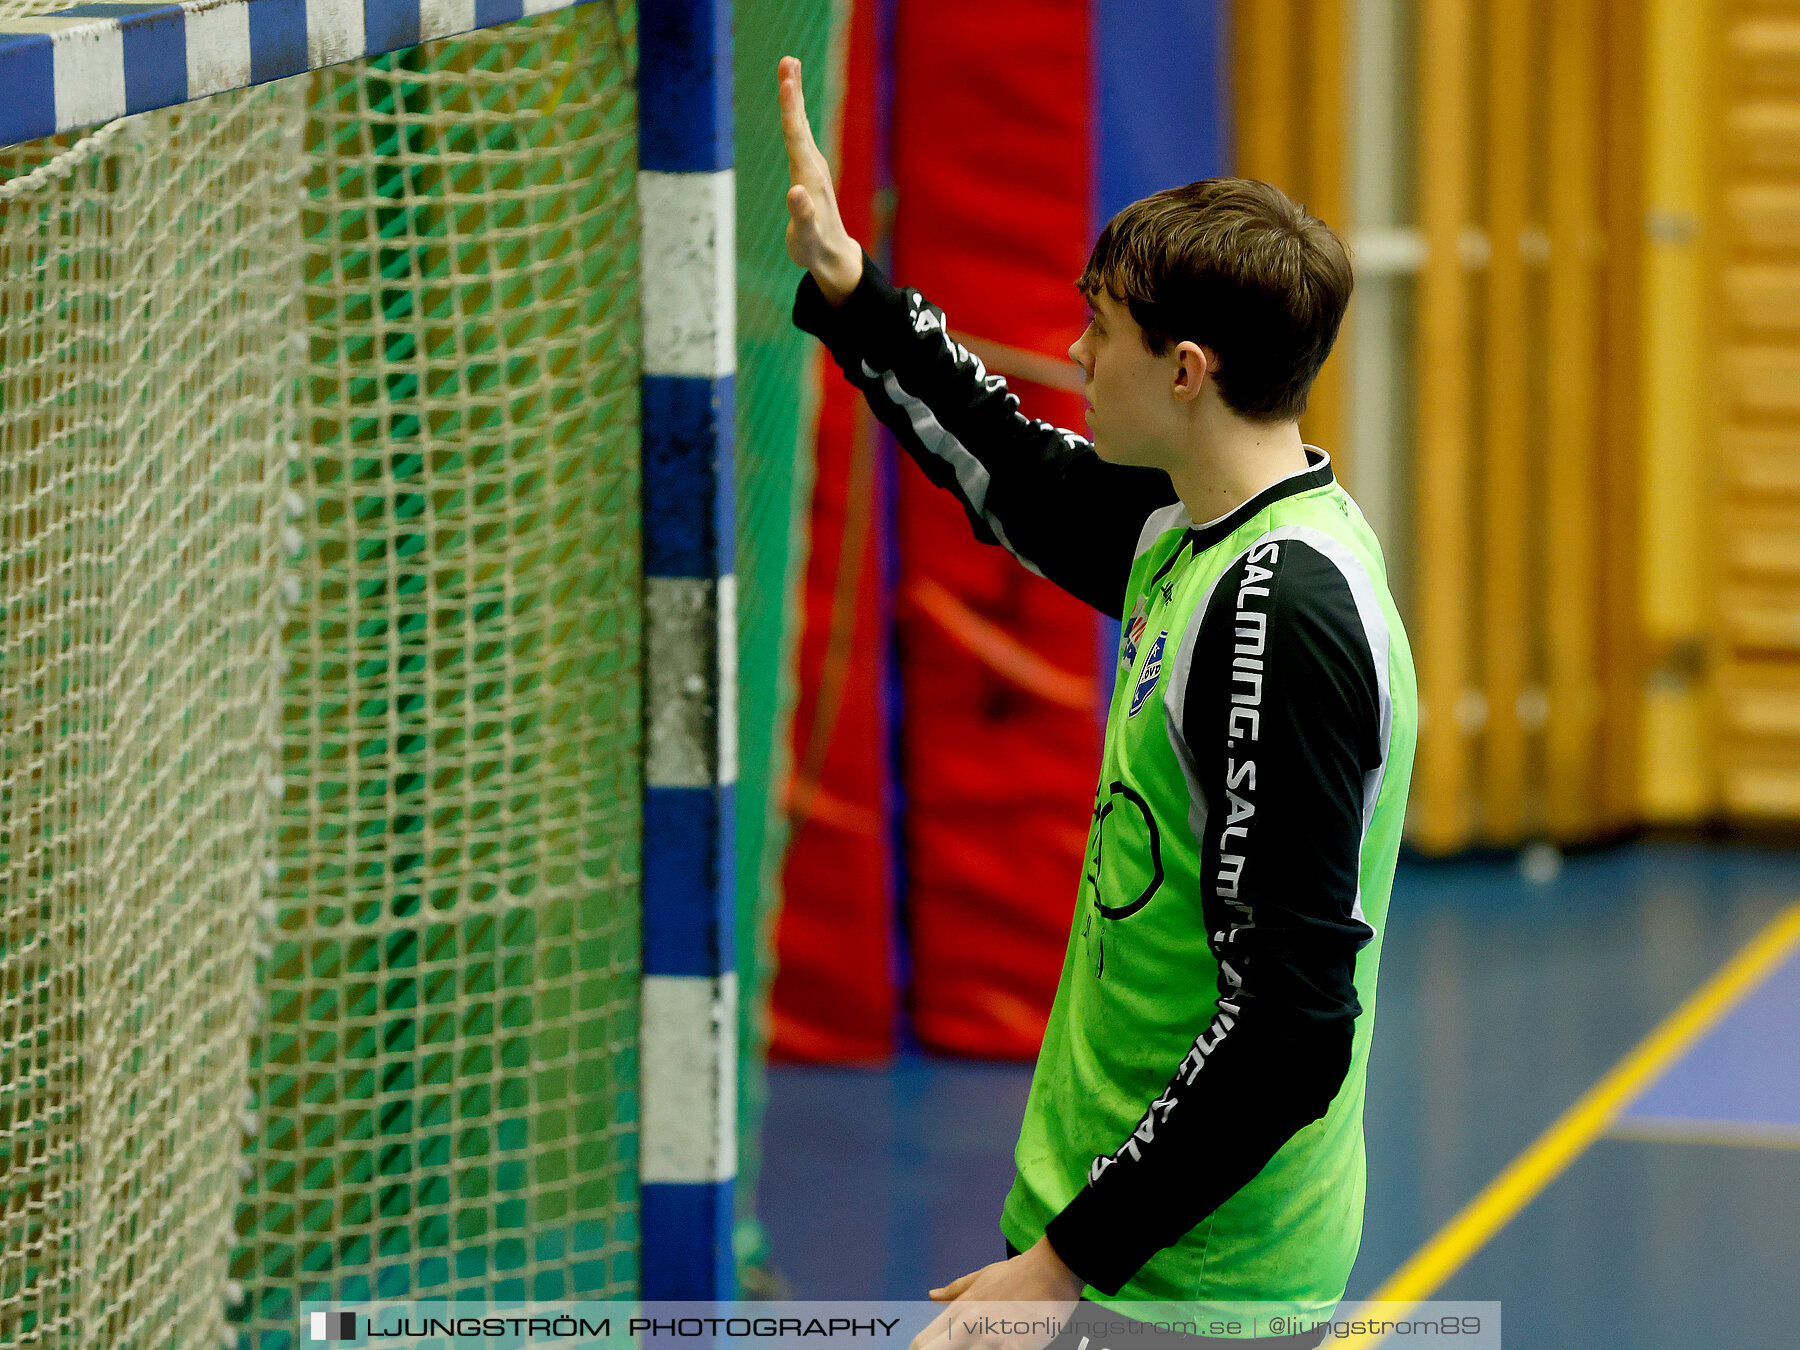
806 163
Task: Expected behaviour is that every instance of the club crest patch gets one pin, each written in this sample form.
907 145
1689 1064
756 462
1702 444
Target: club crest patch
1148 677
1134 634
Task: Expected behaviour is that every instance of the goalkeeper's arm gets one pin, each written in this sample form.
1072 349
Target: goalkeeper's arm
1039 491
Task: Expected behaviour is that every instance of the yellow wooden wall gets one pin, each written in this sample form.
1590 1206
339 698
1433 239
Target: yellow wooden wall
1679 423
1290 69
1602 551
1561 540
1756 614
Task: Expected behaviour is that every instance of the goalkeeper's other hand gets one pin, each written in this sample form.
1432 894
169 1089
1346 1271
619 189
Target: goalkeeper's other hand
816 237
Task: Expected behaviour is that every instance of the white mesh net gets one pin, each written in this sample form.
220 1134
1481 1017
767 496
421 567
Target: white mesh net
140 478
449 1058
318 445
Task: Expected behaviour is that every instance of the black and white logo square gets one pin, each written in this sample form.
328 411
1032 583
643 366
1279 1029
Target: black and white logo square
334 1326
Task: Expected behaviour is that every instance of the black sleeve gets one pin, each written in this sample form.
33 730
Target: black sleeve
1040 491
1280 731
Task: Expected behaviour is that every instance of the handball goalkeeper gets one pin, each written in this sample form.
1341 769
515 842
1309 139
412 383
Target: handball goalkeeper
1193 1134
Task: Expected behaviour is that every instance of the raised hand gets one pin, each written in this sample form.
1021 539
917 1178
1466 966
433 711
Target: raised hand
816 237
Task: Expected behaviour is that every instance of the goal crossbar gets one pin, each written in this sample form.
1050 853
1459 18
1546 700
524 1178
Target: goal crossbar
76 67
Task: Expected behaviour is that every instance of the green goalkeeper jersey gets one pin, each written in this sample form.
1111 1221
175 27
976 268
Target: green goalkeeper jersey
1194 1128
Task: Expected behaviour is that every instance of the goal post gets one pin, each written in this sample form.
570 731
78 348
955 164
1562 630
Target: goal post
367 722
686 190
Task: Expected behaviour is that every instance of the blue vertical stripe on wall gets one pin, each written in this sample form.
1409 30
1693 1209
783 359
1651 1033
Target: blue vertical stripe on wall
1160 96
887 548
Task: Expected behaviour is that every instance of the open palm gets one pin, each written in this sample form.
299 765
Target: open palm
816 237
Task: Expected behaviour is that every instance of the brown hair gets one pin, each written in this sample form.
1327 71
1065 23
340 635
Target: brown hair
1234 265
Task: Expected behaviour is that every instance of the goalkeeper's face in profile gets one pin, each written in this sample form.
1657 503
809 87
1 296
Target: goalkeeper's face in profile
1139 403
1211 308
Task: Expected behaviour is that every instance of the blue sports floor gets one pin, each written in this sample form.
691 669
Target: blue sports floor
1501 1003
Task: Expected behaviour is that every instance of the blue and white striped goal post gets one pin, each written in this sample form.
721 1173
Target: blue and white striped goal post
94 62
688 1042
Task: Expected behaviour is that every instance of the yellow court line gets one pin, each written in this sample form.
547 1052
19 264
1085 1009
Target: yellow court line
1578 1127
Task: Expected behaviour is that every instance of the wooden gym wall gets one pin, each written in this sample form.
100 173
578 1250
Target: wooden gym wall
1756 642
1568 392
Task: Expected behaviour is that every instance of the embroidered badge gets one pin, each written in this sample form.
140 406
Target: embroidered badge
1152 669
1134 634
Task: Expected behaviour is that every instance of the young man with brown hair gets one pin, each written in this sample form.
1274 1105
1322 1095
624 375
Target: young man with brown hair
1194 1128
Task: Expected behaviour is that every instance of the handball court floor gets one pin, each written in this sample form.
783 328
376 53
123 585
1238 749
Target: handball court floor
1503 1004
